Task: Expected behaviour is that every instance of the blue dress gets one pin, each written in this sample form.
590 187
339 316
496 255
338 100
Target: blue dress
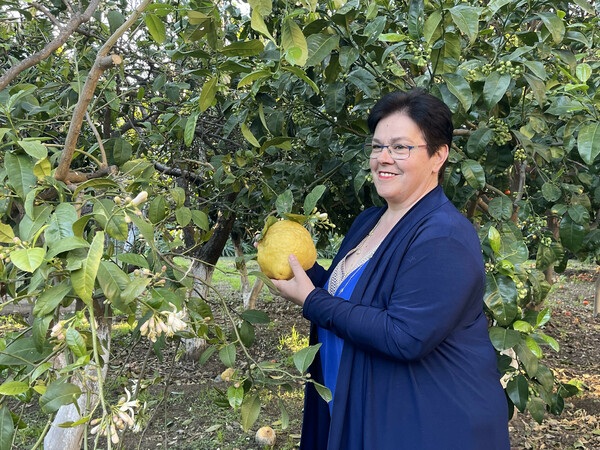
417 369
331 345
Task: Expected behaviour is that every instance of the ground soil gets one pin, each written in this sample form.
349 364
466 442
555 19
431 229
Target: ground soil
191 420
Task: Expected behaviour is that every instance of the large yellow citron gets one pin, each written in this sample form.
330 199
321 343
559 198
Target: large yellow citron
281 239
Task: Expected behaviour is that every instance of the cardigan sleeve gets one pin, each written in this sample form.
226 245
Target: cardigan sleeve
439 285
317 274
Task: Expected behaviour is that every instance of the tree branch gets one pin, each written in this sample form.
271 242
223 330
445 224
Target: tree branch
57 42
103 62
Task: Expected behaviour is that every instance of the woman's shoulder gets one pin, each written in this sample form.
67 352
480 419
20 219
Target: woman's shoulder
448 222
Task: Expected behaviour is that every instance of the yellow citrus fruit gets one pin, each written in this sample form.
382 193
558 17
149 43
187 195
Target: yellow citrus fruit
281 239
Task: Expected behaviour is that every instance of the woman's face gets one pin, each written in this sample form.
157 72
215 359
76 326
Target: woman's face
404 182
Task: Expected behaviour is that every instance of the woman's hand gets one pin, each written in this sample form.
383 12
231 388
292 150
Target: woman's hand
298 288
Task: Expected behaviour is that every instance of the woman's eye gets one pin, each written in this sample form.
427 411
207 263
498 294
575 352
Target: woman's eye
377 148
399 148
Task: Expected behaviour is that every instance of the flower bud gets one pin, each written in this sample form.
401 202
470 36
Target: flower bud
141 198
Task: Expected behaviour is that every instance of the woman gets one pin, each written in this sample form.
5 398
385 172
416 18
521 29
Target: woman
405 349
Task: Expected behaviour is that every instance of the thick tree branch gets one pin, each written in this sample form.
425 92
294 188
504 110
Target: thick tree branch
103 62
64 34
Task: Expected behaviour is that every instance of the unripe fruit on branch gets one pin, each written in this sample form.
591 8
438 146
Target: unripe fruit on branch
281 239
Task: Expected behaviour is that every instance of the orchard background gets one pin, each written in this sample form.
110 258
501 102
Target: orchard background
140 140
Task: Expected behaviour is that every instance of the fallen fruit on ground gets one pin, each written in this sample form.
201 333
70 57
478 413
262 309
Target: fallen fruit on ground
281 239
265 436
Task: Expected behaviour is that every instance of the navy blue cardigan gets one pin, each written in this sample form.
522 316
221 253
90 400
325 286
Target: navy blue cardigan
418 370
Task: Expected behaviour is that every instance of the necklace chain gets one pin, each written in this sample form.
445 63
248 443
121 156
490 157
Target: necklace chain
359 247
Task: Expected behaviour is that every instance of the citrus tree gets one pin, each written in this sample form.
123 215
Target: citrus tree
135 141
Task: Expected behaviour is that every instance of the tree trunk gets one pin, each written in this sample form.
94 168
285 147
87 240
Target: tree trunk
208 256
71 438
597 298
250 297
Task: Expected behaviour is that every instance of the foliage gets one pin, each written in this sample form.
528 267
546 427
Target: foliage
219 111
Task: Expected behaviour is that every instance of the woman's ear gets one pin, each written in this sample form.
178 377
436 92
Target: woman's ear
440 157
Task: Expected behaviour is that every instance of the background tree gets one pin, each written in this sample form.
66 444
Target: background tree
226 112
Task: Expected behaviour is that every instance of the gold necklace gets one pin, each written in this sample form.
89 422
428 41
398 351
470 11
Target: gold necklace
358 248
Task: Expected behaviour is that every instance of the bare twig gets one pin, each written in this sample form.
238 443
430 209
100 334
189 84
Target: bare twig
98 139
48 14
57 42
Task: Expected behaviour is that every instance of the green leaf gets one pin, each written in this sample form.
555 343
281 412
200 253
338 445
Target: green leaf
583 72
284 202
243 48
460 88
257 22
7 428
235 396
551 192
538 87
478 141
6 234
323 391
255 316
61 223
544 257
190 129
501 208
263 7
58 393
527 358
40 331
163 298
205 355
134 289
23 349
571 234
432 25
121 152
294 43
320 47
473 173
183 216
304 358
250 411
248 135
247 333
133 259
503 338
517 390
494 239
227 355
416 18
555 25
588 142
157 208
28 259
156 27
537 409
501 298
466 19
302 75
115 20
146 229
209 90
534 347
200 219
83 279
365 82
285 417
47 302
550 341
579 214
495 87
64 245
34 149
13 388
252 77
335 98
19 169
311 199
75 342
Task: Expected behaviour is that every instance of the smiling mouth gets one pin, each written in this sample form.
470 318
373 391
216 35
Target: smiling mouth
386 175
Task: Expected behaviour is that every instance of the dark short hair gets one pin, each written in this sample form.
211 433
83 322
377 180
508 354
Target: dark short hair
432 116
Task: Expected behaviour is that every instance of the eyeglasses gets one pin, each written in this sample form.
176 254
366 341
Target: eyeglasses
396 151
